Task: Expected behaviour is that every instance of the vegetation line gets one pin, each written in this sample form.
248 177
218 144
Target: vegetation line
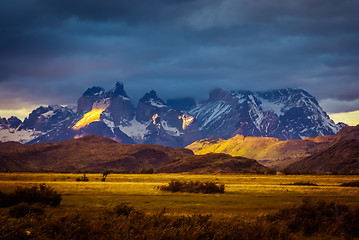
350 184
193 187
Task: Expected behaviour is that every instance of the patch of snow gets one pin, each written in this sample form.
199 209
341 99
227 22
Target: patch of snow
22 136
109 124
275 107
106 114
48 114
330 124
170 130
211 112
98 93
125 98
156 103
252 99
241 98
135 129
72 107
257 116
322 117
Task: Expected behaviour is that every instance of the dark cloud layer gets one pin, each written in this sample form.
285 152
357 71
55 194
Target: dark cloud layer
51 51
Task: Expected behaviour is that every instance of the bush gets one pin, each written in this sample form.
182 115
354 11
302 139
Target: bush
22 209
82 179
123 209
301 183
38 194
124 222
350 184
147 171
312 217
193 187
138 225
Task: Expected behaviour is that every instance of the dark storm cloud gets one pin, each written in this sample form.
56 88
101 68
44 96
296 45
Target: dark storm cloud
51 51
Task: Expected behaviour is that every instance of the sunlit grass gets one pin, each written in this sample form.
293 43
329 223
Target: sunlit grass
245 195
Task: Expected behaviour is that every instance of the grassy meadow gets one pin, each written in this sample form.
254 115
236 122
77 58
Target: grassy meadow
246 196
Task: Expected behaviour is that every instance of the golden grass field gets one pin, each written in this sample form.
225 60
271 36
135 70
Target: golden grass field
246 195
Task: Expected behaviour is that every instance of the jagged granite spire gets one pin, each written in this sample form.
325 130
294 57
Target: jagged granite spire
149 105
118 90
152 95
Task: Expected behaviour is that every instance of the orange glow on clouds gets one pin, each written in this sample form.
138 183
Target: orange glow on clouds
20 113
92 116
350 118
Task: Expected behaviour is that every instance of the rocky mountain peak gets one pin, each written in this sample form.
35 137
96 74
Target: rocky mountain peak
96 94
14 122
151 98
149 105
219 94
118 90
93 91
289 97
152 95
121 108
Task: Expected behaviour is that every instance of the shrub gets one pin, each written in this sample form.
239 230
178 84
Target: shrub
350 184
123 209
38 194
22 209
147 171
138 225
82 179
193 187
124 222
312 217
301 183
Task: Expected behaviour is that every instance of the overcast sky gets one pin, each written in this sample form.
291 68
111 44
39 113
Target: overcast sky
52 51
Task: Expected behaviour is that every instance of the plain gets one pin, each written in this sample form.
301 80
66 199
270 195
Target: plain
246 195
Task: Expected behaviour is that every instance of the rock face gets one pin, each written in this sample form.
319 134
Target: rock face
283 114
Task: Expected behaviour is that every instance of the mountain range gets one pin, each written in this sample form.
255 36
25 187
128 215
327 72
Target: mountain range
283 114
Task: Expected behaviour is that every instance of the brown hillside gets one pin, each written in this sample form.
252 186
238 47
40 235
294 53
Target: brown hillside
89 153
215 163
342 157
272 152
